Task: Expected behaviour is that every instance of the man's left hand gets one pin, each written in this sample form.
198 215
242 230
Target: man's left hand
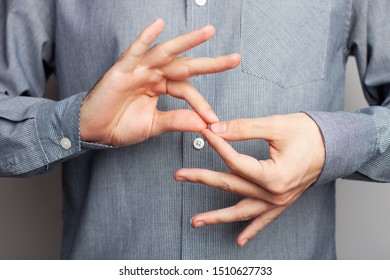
297 156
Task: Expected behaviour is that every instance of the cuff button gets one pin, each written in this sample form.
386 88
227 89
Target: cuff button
65 143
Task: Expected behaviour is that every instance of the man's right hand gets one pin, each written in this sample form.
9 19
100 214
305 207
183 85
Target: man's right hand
121 108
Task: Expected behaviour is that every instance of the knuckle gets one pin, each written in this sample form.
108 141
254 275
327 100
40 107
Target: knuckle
246 216
281 185
226 184
240 125
280 200
115 78
198 177
266 222
208 108
242 212
163 51
217 220
278 189
144 40
285 179
267 181
155 78
187 71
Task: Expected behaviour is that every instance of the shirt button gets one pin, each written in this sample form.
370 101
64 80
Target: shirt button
198 143
200 3
65 143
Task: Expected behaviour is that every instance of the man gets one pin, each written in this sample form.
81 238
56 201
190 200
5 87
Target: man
288 90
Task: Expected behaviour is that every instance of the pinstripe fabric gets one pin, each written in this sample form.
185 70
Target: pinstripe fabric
64 124
123 203
311 16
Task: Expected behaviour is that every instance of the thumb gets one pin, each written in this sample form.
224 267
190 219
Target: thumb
245 129
177 121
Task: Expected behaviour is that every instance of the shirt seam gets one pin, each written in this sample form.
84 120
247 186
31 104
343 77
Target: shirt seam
348 28
376 137
40 143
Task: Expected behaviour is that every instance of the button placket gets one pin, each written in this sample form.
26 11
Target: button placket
195 153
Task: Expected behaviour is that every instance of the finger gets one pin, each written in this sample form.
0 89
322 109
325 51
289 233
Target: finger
185 90
227 182
141 45
268 128
258 224
165 52
260 172
246 209
176 120
184 68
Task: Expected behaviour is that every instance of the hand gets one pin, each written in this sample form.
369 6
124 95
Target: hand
121 108
297 155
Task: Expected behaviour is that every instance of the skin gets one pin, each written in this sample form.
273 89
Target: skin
121 110
297 155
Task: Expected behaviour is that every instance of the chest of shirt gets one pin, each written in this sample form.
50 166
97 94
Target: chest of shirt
286 46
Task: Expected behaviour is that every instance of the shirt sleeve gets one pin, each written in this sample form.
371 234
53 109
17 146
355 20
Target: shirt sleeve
358 143
34 132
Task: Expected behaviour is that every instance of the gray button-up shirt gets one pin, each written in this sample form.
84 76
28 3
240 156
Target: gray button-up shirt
123 202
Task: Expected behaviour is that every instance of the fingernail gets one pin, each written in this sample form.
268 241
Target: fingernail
243 242
219 128
180 179
199 224
213 117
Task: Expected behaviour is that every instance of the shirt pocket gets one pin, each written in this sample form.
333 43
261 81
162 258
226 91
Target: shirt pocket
285 42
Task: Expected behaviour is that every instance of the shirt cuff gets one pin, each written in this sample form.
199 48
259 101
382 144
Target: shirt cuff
350 141
58 127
